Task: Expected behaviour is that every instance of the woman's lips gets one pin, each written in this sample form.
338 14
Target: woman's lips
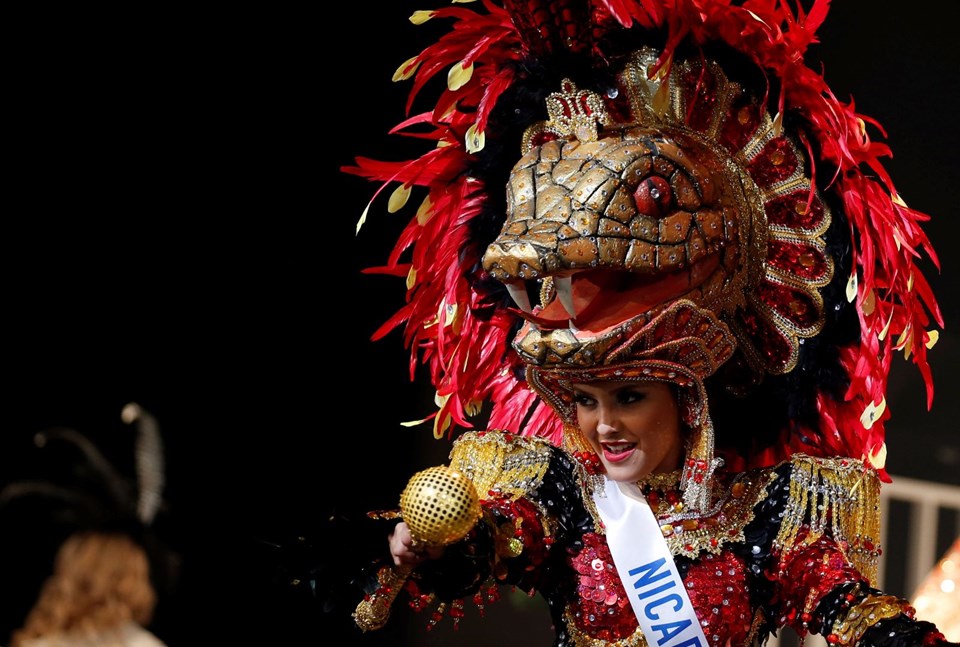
617 452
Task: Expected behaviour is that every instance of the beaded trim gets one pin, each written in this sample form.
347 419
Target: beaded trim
689 534
580 638
661 480
839 496
849 629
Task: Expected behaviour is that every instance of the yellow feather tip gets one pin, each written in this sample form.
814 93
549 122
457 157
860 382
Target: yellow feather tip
852 287
872 413
363 218
886 327
904 338
449 313
475 139
933 336
878 457
440 427
459 76
425 212
398 198
421 16
407 69
869 303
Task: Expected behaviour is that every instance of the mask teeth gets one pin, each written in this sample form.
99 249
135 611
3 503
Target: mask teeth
518 292
564 287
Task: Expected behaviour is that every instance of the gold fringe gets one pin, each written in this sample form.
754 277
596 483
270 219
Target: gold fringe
499 462
839 497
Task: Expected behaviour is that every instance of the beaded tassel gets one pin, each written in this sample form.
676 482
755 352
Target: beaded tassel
839 497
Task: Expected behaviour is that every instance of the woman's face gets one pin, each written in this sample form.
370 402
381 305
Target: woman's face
633 426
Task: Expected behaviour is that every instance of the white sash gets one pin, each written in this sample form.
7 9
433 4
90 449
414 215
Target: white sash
646 568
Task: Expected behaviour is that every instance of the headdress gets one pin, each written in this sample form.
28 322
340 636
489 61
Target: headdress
623 156
80 497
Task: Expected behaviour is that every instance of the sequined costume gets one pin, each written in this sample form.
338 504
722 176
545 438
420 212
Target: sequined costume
793 545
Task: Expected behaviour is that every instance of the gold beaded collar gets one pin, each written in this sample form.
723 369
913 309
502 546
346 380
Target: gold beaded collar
661 481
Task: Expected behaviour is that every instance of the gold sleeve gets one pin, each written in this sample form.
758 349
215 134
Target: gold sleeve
839 497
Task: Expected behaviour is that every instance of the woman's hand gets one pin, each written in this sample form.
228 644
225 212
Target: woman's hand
403 550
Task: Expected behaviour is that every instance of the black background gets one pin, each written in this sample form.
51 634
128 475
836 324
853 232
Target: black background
177 233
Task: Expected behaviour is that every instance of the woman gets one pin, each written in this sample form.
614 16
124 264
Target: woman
792 545
110 565
692 228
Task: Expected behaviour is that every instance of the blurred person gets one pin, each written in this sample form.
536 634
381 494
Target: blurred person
103 589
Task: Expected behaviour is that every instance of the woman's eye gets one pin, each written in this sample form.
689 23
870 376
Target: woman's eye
583 400
629 397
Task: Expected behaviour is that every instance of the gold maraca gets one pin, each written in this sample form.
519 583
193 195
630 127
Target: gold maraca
440 505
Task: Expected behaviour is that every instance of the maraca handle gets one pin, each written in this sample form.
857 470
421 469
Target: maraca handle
374 610
440 506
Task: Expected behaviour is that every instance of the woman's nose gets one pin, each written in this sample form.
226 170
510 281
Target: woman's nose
605 429
606 422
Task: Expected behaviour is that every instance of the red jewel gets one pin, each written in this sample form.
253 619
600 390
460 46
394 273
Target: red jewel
833 638
653 196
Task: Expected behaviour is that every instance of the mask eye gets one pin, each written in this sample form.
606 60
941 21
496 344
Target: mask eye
653 197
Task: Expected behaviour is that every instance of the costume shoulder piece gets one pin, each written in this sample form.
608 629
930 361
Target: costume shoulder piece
501 462
839 497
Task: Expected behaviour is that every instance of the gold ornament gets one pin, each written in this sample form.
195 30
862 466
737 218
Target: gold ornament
440 505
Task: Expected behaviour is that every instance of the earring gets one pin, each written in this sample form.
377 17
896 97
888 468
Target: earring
698 468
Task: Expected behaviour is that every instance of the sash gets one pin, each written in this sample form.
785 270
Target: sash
646 568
